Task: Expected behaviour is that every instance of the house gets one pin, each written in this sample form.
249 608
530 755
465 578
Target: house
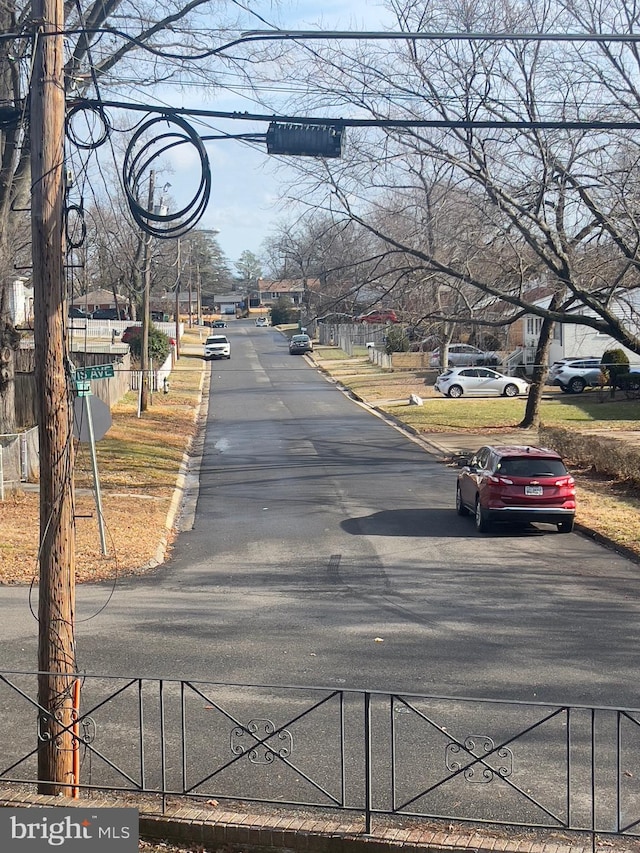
21 302
577 340
100 300
270 290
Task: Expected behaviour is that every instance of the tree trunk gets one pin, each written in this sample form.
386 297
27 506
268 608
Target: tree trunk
540 370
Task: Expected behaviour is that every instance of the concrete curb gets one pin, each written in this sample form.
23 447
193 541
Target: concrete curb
187 481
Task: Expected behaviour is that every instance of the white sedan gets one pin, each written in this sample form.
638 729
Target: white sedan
479 381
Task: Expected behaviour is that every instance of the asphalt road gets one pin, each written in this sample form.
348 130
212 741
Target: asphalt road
325 550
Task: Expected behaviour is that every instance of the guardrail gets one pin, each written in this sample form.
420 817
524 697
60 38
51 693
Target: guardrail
527 764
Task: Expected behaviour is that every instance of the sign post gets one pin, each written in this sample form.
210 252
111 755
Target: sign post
84 430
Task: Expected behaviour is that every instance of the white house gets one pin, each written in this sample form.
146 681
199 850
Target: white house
578 340
21 302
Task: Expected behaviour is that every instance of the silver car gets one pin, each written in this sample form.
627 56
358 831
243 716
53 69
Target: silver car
464 354
479 381
575 376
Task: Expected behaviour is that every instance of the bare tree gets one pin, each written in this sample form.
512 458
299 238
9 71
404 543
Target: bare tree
146 44
557 206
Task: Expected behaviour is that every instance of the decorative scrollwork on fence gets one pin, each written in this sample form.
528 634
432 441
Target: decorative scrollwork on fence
246 739
476 746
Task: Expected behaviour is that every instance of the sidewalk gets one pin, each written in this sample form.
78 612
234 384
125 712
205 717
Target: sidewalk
212 826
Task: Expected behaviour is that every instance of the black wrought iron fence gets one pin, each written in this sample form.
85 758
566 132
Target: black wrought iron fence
528 764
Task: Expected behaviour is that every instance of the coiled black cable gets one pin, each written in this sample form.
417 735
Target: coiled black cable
138 160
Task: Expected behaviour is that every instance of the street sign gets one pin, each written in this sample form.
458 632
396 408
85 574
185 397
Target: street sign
91 419
98 371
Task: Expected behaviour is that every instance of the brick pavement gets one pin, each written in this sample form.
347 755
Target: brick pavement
211 826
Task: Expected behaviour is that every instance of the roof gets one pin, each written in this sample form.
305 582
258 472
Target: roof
97 297
288 285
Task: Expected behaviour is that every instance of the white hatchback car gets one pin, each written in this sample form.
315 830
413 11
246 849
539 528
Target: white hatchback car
262 321
479 381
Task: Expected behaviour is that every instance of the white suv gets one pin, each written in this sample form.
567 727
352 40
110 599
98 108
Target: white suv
575 376
217 346
262 321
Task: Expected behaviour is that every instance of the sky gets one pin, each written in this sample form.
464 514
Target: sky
244 206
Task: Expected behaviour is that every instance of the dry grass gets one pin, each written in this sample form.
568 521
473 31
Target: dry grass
138 462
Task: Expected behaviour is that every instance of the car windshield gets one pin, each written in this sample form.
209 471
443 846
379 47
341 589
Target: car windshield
530 467
217 339
300 339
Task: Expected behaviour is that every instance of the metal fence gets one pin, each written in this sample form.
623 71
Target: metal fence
526 764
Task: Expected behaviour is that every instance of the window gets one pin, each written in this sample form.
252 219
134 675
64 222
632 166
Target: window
534 324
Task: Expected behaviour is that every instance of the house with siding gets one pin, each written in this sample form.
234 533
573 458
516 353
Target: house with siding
270 290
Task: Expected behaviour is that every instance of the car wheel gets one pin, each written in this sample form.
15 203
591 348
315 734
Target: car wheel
455 391
460 507
510 390
482 522
565 526
577 385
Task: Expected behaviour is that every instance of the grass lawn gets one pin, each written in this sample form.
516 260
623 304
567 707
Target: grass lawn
586 411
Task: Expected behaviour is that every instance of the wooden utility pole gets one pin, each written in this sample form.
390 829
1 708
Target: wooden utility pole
146 306
56 645
178 283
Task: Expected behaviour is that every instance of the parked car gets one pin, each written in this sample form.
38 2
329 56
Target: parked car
262 322
516 484
219 324
557 366
130 333
463 355
574 376
299 344
217 346
479 381
109 314
378 316
77 314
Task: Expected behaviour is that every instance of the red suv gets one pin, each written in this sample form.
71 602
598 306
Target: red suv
388 316
516 484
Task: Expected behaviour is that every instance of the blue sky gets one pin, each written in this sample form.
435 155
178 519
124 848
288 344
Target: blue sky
244 203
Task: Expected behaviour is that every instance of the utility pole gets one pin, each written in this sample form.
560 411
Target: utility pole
56 598
177 311
190 287
146 313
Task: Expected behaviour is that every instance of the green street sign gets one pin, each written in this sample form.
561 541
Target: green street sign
98 371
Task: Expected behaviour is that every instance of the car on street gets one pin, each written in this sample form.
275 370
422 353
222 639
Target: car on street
299 344
219 324
464 355
516 484
262 322
479 381
378 316
217 346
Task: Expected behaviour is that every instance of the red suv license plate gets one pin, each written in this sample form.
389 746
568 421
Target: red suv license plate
533 490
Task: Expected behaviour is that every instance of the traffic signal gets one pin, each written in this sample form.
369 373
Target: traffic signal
305 140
